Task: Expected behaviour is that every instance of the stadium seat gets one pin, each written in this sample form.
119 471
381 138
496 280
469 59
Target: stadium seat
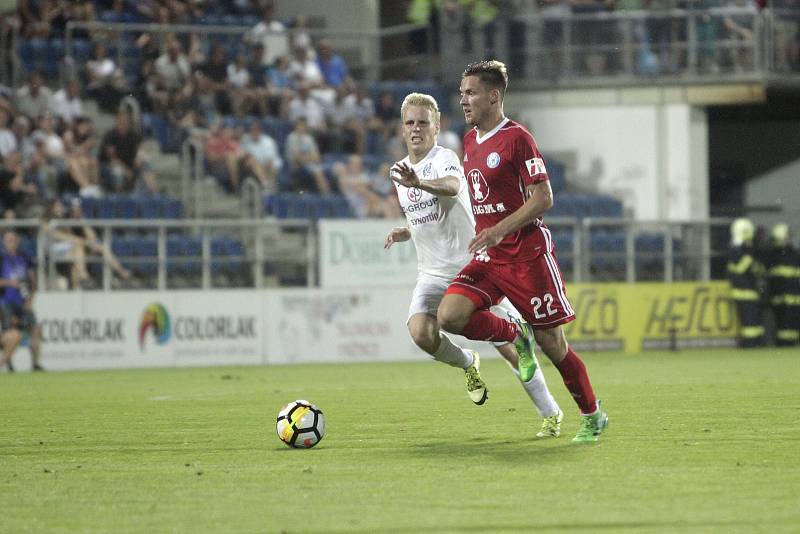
146 252
173 208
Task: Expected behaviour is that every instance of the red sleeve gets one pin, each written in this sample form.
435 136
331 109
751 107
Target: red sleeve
531 164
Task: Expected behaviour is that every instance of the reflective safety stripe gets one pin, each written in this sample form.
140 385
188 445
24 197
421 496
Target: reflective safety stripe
786 271
788 335
752 331
742 265
744 294
789 300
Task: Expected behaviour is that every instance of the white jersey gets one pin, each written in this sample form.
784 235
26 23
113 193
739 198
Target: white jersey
441 227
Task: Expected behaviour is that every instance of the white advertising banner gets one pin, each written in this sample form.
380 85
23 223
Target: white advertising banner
98 330
352 255
88 330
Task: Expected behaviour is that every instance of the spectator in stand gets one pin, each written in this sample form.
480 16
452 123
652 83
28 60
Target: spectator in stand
33 98
280 86
105 82
304 158
172 67
739 29
787 34
215 78
51 153
8 141
15 193
92 245
271 34
225 156
82 169
357 187
243 93
347 118
387 117
123 166
18 284
66 103
64 248
333 67
449 138
37 17
299 35
306 71
304 105
263 157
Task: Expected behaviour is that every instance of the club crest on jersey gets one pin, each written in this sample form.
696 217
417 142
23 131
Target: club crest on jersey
427 170
493 160
414 194
478 187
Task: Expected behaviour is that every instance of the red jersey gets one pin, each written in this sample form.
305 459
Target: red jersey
499 166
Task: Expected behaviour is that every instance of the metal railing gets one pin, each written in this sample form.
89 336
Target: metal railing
274 251
628 47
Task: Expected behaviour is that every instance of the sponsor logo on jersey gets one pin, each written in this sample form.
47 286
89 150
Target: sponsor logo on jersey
414 194
493 160
421 205
451 168
535 166
466 159
426 172
478 187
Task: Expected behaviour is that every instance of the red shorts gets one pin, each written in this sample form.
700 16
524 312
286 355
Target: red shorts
534 287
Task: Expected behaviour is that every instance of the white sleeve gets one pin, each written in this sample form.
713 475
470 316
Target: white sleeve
446 163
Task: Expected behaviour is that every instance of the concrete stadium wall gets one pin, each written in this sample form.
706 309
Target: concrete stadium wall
652 156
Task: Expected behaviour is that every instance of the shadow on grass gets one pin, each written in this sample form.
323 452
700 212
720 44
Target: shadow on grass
512 451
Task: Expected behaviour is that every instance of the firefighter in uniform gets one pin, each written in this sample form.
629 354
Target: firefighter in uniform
744 273
783 277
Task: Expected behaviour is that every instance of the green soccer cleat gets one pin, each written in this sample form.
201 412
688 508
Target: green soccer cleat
476 387
591 426
551 426
525 344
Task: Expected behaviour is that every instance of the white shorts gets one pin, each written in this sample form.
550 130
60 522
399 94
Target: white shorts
428 294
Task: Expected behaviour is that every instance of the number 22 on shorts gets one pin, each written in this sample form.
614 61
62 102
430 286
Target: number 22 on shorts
536 302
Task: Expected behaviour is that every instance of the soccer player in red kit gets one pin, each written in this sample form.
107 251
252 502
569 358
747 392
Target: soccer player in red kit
514 254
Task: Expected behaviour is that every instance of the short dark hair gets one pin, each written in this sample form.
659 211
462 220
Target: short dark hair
491 72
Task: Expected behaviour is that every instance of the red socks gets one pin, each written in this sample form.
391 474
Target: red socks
483 325
577 381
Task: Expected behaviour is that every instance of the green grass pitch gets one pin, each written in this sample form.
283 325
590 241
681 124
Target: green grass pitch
703 441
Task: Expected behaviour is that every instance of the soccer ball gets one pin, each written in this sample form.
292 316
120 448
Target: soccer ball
301 424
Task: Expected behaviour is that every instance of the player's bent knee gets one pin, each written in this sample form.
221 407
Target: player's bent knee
451 320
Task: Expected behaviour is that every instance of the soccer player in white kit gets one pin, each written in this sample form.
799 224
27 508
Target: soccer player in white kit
433 194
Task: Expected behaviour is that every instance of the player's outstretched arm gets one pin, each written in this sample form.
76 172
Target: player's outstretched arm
397 235
404 174
540 199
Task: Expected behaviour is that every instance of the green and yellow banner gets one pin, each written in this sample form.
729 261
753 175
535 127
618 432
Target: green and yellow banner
651 316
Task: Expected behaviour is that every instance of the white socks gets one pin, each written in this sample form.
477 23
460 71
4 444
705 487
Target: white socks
536 388
452 354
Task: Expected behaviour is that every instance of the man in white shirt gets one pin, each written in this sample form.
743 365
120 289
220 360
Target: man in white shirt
66 102
433 194
272 34
264 158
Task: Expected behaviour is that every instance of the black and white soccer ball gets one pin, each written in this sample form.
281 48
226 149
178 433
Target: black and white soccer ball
301 424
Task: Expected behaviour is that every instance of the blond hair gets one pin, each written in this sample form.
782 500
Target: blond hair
422 100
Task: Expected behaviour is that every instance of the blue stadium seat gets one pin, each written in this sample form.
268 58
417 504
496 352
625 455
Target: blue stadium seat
173 208
175 255
193 249
27 55
81 50
123 249
89 207
556 171
106 208
146 252
126 208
